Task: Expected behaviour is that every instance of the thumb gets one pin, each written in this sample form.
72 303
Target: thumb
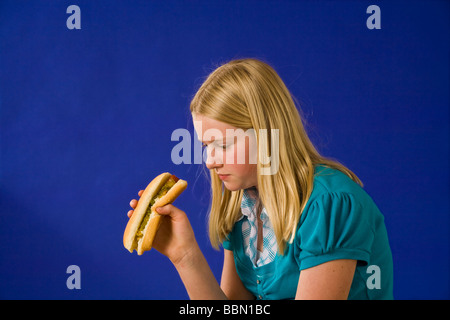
173 212
167 210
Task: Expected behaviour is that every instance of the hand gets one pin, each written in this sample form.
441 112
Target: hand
175 238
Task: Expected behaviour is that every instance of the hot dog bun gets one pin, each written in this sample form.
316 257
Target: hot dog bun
143 224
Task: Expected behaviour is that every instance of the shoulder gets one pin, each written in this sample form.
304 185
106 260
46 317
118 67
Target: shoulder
337 201
332 180
337 196
329 182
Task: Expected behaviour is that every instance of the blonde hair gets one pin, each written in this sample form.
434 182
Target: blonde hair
248 93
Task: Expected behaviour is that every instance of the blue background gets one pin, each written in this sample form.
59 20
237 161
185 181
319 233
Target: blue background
87 117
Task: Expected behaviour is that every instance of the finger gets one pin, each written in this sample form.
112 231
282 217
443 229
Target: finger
130 213
133 203
168 210
140 193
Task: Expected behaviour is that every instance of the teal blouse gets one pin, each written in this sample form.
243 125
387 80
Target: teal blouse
340 221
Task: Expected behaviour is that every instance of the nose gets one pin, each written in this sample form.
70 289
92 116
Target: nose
213 165
211 161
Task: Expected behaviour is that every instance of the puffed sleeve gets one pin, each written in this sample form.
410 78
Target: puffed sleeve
333 227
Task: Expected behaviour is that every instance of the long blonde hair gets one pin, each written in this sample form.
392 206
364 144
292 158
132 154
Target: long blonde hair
248 93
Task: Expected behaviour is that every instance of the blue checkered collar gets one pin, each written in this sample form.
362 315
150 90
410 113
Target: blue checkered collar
249 205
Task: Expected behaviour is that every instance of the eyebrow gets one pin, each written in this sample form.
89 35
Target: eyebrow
220 140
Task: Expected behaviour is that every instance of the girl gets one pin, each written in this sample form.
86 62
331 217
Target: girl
305 230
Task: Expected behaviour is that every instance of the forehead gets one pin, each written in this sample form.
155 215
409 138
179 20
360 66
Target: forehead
212 127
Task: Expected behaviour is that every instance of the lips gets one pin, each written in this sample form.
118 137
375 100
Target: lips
223 176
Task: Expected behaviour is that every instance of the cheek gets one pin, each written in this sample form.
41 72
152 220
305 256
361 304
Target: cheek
243 152
244 161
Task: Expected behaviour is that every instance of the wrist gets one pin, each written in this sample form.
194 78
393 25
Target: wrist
188 258
197 276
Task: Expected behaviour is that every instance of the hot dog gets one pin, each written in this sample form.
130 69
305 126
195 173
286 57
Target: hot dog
144 223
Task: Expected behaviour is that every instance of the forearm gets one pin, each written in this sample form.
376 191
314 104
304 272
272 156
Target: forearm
197 276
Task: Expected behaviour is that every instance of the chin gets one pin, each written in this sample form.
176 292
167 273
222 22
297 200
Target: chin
235 186
231 187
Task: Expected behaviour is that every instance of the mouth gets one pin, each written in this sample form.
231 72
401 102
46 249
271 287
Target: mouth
223 176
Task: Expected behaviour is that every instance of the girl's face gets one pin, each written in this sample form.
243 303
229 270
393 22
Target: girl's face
230 151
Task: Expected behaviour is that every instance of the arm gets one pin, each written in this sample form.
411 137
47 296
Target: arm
327 281
231 284
197 277
175 239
